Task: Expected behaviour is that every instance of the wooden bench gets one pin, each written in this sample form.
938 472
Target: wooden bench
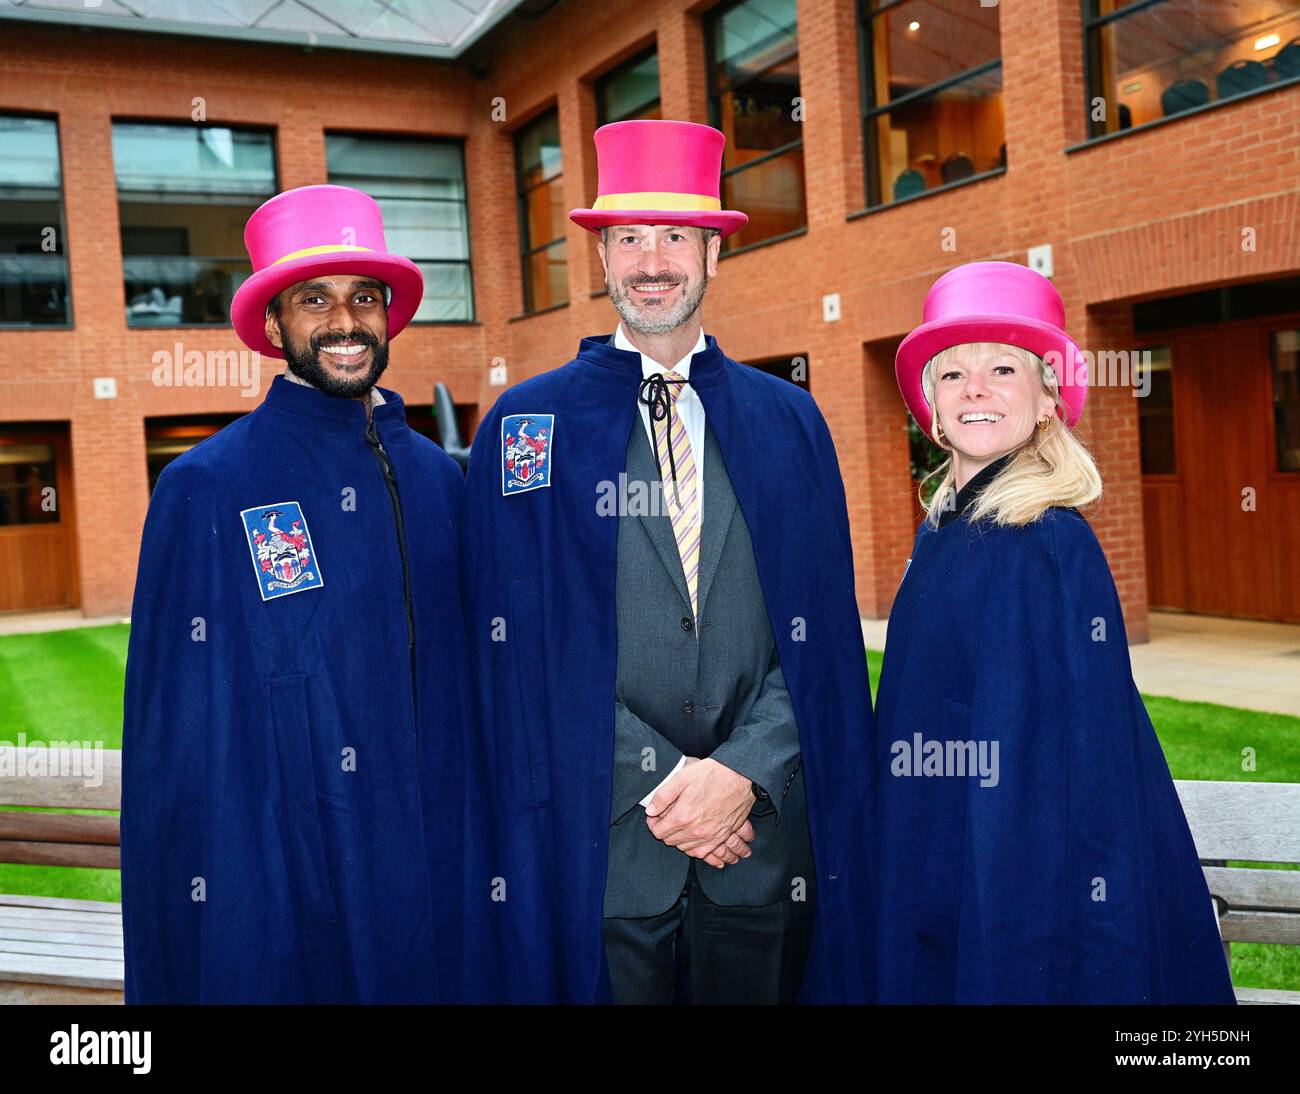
56 950
1249 822
52 949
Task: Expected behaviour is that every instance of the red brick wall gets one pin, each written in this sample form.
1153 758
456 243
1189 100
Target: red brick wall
1150 213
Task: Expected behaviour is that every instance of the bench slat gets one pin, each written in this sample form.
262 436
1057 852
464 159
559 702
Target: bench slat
13 992
93 855
1251 822
107 930
1244 889
61 791
60 949
1268 995
23 900
100 924
72 971
36 933
58 828
1276 927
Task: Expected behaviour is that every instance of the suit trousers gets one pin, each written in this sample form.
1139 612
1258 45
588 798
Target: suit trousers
701 952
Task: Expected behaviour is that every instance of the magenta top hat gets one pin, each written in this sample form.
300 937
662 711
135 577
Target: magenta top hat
318 231
659 172
992 302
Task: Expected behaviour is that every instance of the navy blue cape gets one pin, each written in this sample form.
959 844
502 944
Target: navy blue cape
278 767
543 562
1071 877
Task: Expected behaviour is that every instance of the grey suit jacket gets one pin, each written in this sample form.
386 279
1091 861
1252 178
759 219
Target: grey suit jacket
712 690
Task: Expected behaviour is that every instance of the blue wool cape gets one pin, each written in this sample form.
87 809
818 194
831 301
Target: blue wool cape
541 564
1072 876
292 807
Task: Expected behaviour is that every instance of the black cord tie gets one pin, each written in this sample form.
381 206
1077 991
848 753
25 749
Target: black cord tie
654 393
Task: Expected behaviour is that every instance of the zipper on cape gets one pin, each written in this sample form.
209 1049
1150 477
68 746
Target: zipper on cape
390 481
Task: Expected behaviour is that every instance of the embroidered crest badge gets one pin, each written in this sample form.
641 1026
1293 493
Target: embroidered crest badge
283 556
526 452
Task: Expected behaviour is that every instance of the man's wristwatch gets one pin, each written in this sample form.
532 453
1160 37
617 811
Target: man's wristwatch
759 793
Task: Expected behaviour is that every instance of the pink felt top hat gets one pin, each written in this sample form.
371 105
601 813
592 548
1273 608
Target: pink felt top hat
316 231
992 302
659 172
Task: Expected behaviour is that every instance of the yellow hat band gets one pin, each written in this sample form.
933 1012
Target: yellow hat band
658 199
324 249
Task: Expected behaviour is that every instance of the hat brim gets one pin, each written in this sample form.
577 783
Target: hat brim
726 221
248 308
1017 330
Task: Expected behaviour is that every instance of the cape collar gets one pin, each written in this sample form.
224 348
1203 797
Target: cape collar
707 367
311 401
967 494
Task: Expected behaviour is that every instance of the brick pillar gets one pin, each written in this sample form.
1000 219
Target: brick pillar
683 81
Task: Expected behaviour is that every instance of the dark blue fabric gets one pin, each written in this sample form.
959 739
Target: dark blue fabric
543 563
988 893
322 884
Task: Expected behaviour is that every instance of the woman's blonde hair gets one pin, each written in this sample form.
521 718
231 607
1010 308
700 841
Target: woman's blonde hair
1051 468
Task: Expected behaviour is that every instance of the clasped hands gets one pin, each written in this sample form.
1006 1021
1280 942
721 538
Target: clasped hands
703 811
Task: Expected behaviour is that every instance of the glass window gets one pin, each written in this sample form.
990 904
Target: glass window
167 438
542 214
629 91
1156 416
933 95
33 260
27 482
753 53
1286 398
793 368
1148 61
185 193
420 186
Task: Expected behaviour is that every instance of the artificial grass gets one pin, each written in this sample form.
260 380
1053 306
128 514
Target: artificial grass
67 686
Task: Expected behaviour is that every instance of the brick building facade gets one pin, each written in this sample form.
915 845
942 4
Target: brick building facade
1131 217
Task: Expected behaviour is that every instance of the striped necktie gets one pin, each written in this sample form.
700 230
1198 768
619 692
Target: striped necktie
682 495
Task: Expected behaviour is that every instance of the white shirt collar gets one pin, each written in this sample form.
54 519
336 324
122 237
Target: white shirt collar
649 366
375 398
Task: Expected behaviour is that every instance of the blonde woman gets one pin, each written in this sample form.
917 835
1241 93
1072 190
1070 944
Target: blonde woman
1033 848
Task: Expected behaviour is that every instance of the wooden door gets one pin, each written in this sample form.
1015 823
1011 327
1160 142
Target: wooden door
37 525
1222 528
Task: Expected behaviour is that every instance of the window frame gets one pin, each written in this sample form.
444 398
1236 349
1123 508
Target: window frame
172 123
1088 24
652 50
869 111
70 323
521 211
468 260
710 21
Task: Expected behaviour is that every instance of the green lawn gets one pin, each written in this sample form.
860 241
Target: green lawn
67 685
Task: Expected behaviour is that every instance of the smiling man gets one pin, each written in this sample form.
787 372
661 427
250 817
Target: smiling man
293 808
675 696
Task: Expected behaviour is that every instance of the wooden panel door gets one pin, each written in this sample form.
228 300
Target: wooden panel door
1282 499
1223 531
37 552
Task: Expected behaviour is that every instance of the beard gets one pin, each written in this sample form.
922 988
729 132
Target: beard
655 318
304 362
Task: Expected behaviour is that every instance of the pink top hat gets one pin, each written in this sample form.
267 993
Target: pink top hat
992 302
318 231
659 172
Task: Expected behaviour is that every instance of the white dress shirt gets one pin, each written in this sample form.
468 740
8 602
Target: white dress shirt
692 412
688 405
